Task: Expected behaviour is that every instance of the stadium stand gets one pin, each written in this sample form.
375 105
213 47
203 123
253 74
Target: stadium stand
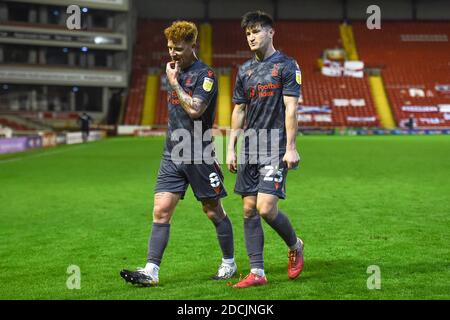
13 125
136 94
414 60
150 50
412 56
304 41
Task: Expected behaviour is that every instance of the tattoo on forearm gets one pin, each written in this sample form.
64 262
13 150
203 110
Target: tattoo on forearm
198 105
188 103
185 99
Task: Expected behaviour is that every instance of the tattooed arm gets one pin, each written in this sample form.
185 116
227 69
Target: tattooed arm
194 107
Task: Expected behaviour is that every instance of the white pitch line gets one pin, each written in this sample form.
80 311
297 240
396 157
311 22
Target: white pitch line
41 154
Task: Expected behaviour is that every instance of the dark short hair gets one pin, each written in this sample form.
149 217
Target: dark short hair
253 18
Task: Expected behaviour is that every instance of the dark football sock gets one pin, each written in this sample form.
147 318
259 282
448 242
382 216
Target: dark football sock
158 241
254 241
224 231
283 227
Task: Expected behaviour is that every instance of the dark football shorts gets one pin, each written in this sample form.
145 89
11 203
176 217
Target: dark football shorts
265 177
206 180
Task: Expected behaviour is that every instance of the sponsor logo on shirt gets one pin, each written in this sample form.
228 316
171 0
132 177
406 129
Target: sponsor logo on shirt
267 90
268 86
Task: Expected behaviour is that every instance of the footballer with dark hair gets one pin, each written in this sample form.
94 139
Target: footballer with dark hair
192 105
266 97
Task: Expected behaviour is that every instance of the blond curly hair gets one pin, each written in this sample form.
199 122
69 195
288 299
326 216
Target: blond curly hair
182 31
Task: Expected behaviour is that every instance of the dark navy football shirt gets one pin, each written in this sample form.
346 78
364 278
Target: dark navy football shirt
199 81
261 86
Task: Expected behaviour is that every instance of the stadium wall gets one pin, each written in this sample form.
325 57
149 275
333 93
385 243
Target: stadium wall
390 10
433 10
310 9
293 9
175 9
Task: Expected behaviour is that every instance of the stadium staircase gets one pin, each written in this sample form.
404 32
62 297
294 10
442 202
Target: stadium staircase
348 41
224 105
381 102
4 122
150 99
17 122
205 43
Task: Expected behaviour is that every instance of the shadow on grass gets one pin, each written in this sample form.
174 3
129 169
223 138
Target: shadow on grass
317 269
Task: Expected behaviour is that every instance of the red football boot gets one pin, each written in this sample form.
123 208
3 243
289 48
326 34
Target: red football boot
251 280
296 261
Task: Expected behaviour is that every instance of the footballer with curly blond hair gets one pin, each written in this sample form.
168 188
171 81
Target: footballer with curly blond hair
191 100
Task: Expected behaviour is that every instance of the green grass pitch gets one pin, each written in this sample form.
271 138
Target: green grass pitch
356 201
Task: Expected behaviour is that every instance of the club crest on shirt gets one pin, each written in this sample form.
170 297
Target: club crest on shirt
208 84
275 70
298 77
